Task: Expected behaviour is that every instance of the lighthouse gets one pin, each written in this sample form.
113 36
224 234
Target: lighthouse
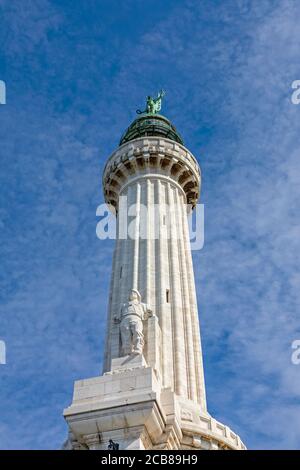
151 394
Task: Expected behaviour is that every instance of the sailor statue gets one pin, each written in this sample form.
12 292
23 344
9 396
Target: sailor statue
131 316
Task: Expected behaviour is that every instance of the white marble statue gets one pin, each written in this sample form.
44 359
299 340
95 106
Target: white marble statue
131 316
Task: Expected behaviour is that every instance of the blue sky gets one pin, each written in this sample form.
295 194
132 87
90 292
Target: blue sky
75 74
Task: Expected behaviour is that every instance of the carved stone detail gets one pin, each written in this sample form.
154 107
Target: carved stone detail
130 317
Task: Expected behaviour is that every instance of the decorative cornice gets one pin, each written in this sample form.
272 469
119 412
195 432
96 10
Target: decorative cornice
152 155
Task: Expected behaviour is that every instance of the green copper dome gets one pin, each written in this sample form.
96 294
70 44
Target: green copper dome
151 125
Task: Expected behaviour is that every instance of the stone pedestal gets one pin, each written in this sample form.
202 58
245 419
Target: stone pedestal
130 407
123 405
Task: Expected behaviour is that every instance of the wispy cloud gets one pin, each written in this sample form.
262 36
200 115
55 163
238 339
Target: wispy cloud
74 78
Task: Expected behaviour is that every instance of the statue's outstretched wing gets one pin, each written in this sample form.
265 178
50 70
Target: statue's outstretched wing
158 100
158 104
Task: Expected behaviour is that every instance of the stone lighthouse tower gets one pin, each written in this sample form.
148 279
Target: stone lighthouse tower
152 392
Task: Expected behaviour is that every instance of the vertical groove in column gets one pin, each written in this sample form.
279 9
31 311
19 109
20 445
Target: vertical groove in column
143 249
184 338
189 343
136 240
123 279
126 248
162 278
107 352
115 305
150 263
195 321
176 301
158 269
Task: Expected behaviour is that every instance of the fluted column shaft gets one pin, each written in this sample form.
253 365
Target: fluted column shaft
156 260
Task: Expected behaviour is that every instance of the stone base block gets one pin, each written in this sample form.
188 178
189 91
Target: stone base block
122 405
129 406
